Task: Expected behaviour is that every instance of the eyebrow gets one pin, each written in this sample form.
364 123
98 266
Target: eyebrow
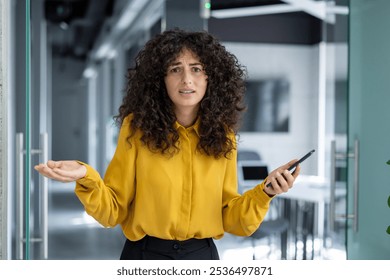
191 64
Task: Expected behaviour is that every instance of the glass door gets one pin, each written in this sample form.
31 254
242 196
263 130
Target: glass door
356 138
51 112
368 131
333 119
31 138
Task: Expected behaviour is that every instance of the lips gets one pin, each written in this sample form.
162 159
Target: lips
186 91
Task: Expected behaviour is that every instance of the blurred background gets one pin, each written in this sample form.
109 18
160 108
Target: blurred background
66 78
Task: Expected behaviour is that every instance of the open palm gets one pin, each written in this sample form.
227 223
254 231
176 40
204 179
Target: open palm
63 171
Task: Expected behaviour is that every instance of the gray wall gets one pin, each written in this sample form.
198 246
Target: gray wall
69 110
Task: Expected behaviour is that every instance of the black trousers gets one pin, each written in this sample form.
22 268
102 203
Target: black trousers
152 248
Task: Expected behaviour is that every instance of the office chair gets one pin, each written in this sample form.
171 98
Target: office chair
302 226
274 226
248 155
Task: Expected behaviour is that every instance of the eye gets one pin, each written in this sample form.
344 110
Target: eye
175 70
197 69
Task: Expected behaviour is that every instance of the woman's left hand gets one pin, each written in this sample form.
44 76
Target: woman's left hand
281 179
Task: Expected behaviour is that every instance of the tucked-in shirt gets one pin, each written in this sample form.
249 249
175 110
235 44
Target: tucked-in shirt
187 195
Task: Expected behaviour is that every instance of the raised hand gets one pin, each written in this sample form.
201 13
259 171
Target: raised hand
63 171
281 179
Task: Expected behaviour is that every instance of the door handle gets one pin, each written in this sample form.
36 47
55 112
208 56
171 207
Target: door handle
43 189
332 208
19 195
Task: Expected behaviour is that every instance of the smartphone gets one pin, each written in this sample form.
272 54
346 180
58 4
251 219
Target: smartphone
292 167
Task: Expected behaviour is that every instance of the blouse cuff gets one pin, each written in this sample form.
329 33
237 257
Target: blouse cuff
90 177
261 195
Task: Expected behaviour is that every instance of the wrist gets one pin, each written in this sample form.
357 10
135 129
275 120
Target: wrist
269 194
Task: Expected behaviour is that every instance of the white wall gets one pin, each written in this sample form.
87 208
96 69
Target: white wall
299 65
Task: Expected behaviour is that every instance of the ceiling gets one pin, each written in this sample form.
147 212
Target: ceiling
74 25
303 22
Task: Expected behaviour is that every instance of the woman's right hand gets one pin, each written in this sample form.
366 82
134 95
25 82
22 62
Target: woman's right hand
63 171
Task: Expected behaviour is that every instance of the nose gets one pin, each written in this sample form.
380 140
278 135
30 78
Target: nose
186 77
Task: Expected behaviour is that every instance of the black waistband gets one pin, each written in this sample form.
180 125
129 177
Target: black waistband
157 244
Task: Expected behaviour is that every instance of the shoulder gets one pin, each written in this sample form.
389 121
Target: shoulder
126 127
127 120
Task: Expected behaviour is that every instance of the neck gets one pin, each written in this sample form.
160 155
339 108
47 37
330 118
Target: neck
186 118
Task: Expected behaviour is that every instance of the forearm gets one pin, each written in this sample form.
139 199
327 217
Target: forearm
99 199
243 214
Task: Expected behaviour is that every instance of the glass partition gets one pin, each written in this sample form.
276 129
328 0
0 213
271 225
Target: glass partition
368 136
333 91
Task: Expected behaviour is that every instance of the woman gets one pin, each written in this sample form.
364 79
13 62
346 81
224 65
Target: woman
172 182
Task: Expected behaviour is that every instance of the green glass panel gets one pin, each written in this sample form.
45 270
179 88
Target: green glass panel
369 101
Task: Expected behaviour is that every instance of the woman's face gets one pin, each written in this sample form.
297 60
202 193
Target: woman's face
186 82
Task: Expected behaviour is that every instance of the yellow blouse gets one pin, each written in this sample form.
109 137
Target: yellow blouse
188 195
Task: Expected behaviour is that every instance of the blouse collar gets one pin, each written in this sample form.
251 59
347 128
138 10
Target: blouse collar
195 126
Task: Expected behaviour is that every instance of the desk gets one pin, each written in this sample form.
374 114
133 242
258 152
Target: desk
315 190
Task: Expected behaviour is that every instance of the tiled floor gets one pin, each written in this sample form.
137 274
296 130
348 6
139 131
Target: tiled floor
75 235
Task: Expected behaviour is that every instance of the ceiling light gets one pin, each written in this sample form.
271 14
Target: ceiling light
254 11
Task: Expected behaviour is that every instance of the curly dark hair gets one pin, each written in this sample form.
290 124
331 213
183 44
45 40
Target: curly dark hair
153 112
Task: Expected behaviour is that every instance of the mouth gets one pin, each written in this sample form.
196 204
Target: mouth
186 91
